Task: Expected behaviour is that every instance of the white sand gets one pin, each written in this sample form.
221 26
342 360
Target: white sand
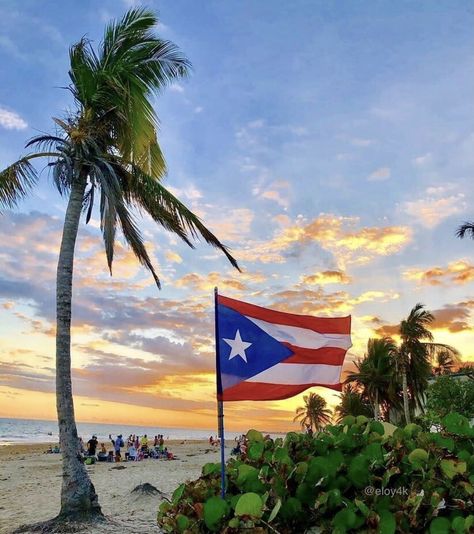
30 486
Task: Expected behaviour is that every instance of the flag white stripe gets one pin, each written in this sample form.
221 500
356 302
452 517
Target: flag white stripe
298 373
303 337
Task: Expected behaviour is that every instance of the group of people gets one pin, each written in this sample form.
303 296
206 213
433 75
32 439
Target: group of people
136 449
214 441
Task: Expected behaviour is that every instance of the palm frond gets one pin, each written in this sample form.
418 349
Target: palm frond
19 178
135 240
167 210
466 229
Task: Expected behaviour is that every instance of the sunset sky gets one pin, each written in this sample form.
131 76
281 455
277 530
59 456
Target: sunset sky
329 144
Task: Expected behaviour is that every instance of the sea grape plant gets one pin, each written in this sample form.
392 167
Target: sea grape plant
357 476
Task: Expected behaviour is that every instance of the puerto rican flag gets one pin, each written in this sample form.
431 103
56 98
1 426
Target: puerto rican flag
265 354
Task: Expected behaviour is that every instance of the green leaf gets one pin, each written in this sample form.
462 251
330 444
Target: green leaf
458 525
211 469
387 523
362 507
440 525
418 458
178 493
389 429
377 426
359 473
275 511
451 468
361 419
254 435
182 522
344 519
249 504
215 510
255 451
348 420
412 430
291 508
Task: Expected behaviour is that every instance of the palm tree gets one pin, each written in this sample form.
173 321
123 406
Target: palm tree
353 402
466 229
415 356
314 414
444 362
105 150
375 373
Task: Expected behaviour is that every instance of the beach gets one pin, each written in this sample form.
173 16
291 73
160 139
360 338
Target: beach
30 482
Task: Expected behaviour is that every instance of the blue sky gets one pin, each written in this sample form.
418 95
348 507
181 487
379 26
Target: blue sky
331 145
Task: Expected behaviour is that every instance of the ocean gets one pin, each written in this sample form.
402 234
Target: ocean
36 431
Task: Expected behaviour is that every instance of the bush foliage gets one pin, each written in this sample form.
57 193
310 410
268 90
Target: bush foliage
358 476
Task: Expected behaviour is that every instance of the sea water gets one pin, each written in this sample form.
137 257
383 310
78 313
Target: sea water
36 431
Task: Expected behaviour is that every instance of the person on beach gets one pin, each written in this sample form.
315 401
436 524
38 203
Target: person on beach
102 455
118 444
92 446
155 442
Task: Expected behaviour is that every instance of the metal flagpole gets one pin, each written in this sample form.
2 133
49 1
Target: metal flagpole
220 404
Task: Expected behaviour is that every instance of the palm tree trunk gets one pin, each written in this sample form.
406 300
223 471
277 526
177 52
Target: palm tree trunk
406 407
376 406
78 497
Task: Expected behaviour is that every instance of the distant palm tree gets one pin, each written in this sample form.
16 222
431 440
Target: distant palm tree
444 362
314 414
353 403
415 354
375 373
466 229
106 150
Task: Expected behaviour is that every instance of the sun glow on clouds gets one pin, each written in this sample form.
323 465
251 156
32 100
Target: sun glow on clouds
457 272
339 235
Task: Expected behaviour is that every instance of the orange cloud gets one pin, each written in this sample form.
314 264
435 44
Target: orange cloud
326 277
456 272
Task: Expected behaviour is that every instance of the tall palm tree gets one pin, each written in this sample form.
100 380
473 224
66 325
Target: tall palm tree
416 352
105 150
314 413
466 229
375 373
353 402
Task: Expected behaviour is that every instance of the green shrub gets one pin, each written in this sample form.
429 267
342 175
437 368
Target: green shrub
353 477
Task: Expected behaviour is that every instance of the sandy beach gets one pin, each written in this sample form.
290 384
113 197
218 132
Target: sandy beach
30 485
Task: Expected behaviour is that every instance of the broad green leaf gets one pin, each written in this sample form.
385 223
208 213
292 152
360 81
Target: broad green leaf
249 504
215 510
440 525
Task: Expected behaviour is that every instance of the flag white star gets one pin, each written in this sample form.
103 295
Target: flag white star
237 346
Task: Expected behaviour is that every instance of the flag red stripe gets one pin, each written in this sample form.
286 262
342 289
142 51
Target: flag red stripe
324 325
326 355
259 391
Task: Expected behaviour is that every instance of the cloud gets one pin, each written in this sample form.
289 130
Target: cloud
326 277
379 175
338 235
173 257
231 225
357 141
176 88
425 159
11 120
198 282
454 318
433 208
457 272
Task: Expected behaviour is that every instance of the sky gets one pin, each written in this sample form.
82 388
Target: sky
329 144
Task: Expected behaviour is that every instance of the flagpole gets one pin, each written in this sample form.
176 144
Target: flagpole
220 404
